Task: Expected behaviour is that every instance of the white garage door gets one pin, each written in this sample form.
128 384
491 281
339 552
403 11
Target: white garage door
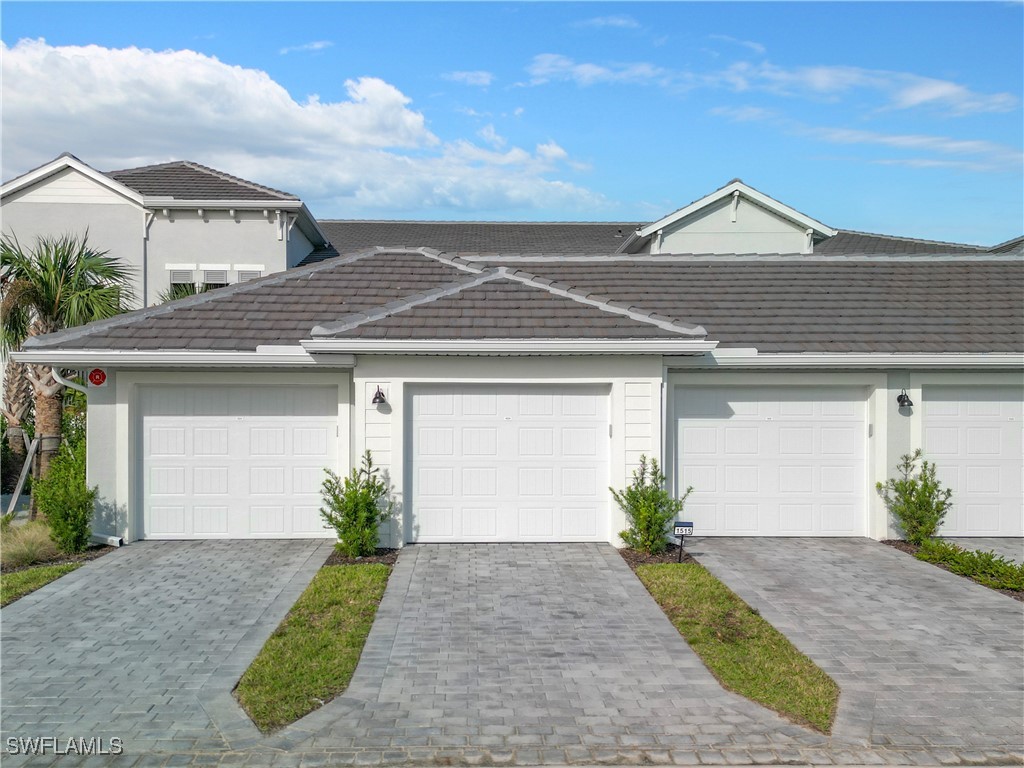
773 461
509 463
973 434
236 462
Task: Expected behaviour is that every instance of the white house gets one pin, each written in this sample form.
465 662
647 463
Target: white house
172 223
779 366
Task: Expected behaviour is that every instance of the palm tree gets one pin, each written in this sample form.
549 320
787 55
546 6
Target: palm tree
60 283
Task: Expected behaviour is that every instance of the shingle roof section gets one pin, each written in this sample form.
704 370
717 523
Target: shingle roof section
185 180
277 309
505 309
1009 246
476 236
806 306
954 304
847 241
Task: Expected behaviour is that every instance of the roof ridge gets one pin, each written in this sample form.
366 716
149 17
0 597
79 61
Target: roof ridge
354 319
602 302
192 301
911 239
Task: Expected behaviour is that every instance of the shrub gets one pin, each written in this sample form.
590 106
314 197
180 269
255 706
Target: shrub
649 508
986 568
355 507
27 544
917 502
65 500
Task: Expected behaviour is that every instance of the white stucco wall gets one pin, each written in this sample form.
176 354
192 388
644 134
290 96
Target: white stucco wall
215 240
711 230
70 203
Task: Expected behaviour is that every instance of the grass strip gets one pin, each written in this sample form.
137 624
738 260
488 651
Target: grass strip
20 583
311 656
746 653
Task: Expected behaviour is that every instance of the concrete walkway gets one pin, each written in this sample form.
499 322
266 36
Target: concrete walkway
923 657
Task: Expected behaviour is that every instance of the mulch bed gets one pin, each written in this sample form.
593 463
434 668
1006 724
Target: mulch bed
91 553
634 558
911 549
382 555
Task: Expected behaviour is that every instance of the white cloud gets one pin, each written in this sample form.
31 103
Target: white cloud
755 47
981 155
488 134
893 90
546 67
366 152
616 22
477 77
316 45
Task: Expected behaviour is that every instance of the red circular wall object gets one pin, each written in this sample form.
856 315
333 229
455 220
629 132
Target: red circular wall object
97 377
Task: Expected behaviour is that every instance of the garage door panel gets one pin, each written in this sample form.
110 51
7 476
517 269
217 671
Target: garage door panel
525 463
238 463
973 434
769 462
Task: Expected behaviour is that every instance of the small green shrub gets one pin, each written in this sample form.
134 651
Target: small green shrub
355 507
986 568
27 544
649 508
65 500
917 502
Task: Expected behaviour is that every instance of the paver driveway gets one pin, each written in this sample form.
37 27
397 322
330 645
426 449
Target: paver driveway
922 656
125 645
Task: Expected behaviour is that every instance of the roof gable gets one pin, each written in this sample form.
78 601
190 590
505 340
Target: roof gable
732 194
65 162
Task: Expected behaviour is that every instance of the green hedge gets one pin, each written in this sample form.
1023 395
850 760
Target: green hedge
986 568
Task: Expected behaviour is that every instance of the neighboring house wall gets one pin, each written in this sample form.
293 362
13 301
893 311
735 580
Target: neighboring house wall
723 228
70 203
298 247
216 241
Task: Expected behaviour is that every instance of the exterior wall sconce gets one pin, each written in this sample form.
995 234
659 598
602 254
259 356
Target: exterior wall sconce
378 397
903 400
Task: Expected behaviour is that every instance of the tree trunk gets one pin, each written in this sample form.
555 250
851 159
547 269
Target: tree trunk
49 409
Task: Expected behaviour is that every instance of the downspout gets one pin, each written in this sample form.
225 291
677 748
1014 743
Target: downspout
99 538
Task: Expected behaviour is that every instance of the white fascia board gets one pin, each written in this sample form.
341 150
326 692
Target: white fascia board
56 166
747 358
152 201
277 357
509 346
310 228
171 267
750 193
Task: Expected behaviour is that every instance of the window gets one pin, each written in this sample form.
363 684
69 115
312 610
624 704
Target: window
214 278
248 274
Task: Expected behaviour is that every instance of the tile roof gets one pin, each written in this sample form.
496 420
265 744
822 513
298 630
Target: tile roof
504 308
796 304
476 236
569 237
185 180
848 241
1016 244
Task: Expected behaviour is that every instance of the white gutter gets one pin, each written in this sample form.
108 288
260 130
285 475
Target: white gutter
751 358
152 201
70 384
509 346
263 357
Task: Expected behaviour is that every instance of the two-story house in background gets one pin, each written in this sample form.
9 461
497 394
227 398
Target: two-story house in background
176 223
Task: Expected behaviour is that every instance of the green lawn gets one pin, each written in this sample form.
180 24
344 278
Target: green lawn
312 655
20 583
746 653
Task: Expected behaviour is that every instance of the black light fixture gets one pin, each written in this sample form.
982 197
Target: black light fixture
378 397
903 400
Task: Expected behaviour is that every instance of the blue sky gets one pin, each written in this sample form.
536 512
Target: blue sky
884 117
